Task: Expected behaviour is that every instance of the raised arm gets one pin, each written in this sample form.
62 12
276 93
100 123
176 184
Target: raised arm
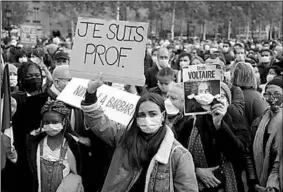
108 130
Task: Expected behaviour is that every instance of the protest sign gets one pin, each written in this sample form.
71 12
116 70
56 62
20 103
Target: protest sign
118 105
114 48
30 33
201 87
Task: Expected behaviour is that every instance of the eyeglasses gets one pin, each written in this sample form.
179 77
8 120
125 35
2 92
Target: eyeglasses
268 95
65 79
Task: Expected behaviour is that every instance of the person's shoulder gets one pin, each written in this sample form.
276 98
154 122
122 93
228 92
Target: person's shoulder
178 151
71 138
35 136
18 95
152 69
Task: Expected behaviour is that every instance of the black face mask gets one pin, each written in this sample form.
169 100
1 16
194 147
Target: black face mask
32 85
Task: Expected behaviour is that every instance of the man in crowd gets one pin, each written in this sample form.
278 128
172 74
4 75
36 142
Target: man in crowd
264 64
61 58
163 56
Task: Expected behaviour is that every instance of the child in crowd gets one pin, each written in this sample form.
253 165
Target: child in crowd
53 153
165 79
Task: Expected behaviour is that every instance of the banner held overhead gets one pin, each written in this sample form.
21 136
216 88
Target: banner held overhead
114 48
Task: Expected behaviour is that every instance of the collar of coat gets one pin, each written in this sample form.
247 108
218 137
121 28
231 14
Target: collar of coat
163 153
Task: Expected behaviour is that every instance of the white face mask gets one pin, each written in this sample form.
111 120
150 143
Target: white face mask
269 77
170 107
163 63
154 59
53 129
13 80
225 49
265 59
149 125
23 59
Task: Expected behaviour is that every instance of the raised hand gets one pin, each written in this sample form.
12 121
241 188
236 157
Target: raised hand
218 111
93 85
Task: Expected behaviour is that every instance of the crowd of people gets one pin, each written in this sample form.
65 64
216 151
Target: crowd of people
236 147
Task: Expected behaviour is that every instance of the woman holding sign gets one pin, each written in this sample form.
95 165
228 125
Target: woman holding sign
147 157
217 142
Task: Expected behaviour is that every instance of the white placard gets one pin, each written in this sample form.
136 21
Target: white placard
118 105
114 48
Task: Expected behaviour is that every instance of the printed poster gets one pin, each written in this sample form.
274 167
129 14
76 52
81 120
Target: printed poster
201 88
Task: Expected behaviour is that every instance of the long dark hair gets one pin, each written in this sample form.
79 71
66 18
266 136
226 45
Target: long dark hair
22 71
139 146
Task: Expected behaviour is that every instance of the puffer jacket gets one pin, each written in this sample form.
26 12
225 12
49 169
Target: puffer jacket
164 167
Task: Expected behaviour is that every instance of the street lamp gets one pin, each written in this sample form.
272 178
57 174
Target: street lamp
8 14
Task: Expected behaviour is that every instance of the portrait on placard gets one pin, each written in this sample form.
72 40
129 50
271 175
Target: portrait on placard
200 95
201 88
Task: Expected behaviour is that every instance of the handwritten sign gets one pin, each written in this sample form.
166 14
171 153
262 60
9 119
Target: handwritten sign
29 34
118 105
201 87
114 48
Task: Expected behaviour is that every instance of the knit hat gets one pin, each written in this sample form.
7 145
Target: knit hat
56 106
227 91
278 80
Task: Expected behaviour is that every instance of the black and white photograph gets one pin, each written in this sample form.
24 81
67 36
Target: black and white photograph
141 96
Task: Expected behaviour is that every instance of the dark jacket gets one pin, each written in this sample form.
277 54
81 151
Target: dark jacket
182 128
148 63
26 119
231 139
255 105
263 71
32 145
238 101
151 80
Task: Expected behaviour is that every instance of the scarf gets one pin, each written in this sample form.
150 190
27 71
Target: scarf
171 121
197 151
272 124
